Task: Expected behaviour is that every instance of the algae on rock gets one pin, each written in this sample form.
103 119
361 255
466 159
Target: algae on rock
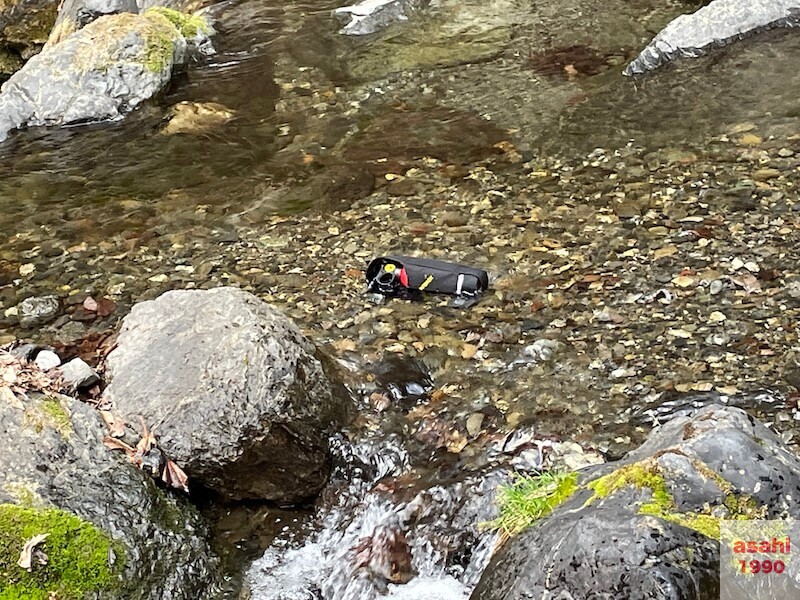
647 474
190 25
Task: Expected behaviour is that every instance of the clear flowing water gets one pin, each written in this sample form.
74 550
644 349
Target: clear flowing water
91 183
100 208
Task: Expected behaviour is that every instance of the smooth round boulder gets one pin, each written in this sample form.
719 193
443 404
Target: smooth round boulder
235 393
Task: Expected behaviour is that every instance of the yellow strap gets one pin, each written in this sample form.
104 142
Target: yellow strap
426 283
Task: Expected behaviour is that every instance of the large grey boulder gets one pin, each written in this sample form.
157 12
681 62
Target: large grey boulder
720 22
57 478
646 530
100 72
236 395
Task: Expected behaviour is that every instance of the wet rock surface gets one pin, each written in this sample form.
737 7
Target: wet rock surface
720 22
646 529
372 15
239 398
75 14
52 456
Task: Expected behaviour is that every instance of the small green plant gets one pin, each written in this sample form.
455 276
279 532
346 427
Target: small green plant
530 498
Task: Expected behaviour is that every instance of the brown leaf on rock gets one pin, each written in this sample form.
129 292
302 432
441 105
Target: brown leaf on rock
379 401
115 424
28 552
175 477
147 442
115 444
10 397
456 442
468 351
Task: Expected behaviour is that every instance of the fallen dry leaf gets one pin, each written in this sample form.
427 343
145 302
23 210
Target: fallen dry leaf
147 441
175 477
468 351
105 306
345 345
749 283
456 442
115 424
116 444
26 556
379 401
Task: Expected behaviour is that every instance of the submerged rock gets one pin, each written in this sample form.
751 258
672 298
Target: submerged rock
112 532
370 16
237 396
38 310
648 526
100 72
197 118
719 23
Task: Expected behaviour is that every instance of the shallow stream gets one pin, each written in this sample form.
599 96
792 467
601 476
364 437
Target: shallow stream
497 132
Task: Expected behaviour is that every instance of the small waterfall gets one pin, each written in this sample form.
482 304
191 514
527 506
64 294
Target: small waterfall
385 530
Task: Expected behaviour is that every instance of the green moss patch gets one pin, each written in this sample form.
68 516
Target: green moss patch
190 26
647 474
160 42
78 555
48 412
644 474
529 499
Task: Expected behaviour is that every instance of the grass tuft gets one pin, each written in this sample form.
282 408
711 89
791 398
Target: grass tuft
530 498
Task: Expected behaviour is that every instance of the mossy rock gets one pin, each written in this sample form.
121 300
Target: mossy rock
48 411
650 475
190 26
81 559
647 528
112 532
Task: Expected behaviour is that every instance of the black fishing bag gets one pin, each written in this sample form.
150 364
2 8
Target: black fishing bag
402 275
